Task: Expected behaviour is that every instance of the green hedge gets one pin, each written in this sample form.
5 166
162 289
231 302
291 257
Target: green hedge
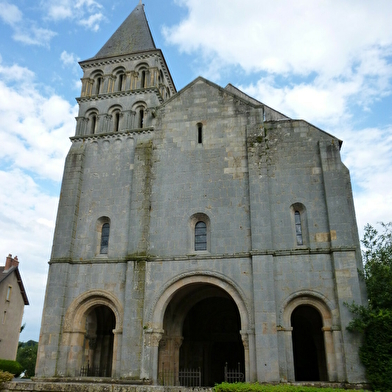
255 387
11 366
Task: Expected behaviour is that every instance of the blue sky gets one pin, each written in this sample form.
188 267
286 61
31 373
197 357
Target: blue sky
327 62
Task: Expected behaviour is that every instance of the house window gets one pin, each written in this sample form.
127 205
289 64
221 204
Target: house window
8 296
199 133
105 238
298 228
200 236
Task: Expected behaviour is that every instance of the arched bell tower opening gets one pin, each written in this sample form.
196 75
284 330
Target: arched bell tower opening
308 345
201 335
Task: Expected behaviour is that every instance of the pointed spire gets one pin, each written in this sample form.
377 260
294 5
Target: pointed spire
132 36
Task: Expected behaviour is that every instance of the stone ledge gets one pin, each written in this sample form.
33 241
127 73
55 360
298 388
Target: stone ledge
109 385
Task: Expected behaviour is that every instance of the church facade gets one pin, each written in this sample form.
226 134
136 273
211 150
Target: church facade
200 234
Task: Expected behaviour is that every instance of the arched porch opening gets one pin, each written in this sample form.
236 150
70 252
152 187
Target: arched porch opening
98 342
308 345
91 335
201 325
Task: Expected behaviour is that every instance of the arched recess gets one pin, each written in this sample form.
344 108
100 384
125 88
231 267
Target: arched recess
143 72
120 79
97 78
197 293
92 117
92 326
115 113
310 317
140 110
197 244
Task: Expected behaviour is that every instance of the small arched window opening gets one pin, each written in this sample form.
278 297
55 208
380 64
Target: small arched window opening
200 133
143 79
298 228
98 83
116 122
120 82
141 118
93 124
105 239
200 236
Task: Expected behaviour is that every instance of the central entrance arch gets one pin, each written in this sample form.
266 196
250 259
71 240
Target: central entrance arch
202 324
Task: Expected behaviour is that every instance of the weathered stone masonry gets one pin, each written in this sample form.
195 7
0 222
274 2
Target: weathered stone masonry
197 228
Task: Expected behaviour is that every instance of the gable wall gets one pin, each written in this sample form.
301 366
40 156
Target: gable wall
11 323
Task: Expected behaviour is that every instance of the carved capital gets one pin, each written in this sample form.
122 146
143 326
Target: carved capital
152 337
245 340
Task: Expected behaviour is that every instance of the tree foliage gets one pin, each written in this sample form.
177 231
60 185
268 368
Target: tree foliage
27 356
375 319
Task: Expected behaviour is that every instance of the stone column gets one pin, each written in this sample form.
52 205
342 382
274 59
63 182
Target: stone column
111 84
245 342
339 353
116 363
149 369
330 354
283 372
289 353
81 126
85 83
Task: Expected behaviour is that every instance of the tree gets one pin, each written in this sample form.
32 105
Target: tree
27 356
375 319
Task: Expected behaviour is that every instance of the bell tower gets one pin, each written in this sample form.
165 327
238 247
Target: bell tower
124 81
103 211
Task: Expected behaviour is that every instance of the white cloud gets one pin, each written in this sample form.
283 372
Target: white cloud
33 135
92 22
334 53
85 12
10 13
284 36
34 36
68 58
24 31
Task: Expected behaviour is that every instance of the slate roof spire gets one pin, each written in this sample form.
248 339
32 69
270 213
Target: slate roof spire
132 36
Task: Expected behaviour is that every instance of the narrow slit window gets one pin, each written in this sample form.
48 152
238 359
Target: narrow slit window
199 133
141 118
93 124
120 82
99 82
200 236
105 238
298 228
116 121
143 79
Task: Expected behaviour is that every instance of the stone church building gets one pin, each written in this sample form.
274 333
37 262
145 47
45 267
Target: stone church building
200 235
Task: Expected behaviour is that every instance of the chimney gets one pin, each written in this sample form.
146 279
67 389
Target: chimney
11 262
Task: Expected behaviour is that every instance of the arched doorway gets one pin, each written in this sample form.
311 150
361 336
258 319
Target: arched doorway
98 342
92 329
308 344
202 333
